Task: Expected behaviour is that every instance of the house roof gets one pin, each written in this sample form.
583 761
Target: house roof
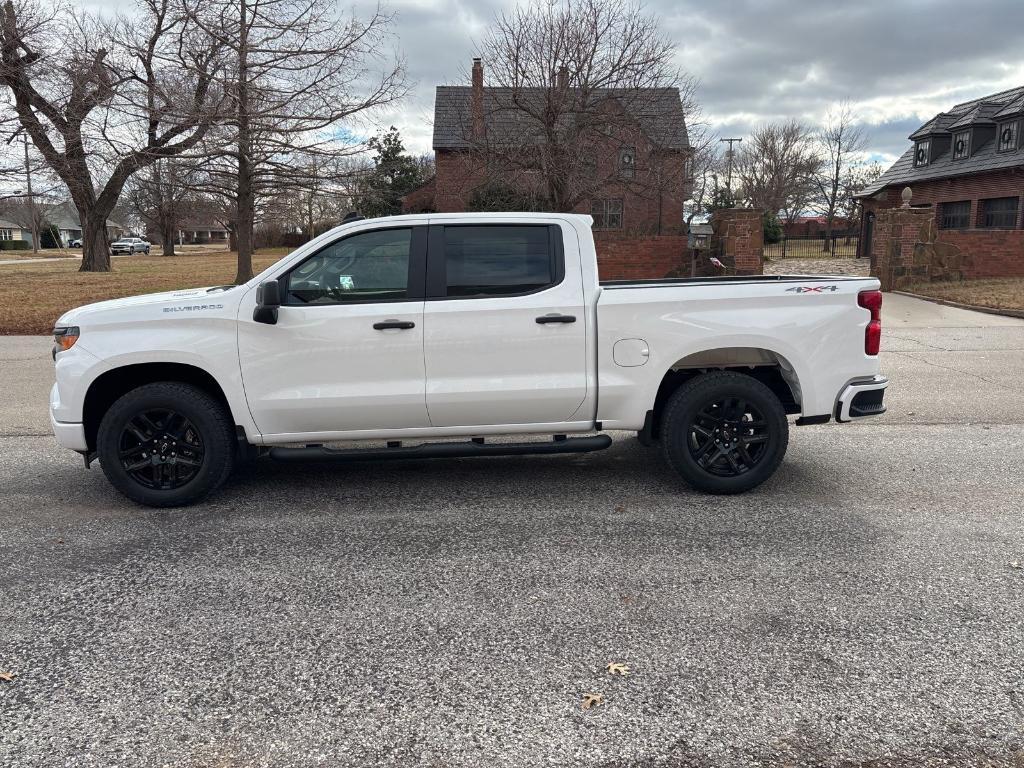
987 110
65 216
658 110
6 224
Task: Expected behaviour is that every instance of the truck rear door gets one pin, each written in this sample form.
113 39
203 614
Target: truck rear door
504 326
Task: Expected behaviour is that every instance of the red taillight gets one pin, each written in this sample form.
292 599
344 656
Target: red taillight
872 301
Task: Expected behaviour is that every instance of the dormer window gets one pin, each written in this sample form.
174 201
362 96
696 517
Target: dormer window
921 153
961 145
1007 137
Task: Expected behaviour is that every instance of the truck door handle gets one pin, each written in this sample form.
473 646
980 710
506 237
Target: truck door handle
401 324
545 319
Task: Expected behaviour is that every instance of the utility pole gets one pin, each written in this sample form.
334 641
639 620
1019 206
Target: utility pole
728 159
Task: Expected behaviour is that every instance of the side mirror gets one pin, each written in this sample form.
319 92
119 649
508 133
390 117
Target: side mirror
268 300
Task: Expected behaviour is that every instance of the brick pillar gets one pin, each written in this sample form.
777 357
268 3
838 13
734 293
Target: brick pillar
898 255
738 239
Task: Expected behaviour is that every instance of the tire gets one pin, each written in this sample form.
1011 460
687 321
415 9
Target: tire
724 432
178 438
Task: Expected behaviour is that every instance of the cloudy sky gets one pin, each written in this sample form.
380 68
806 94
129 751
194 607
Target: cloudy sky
898 61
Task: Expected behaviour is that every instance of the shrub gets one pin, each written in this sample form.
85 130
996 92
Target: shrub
13 245
772 228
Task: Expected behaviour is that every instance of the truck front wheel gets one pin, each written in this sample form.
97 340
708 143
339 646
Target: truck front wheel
166 444
724 432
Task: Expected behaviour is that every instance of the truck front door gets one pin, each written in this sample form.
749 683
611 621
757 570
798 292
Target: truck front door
504 326
346 354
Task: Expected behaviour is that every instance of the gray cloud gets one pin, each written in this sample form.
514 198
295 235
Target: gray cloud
897 61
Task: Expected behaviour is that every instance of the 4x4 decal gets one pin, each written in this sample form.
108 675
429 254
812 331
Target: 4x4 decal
812 288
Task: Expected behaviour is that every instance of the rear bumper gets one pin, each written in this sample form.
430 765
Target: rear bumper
861 398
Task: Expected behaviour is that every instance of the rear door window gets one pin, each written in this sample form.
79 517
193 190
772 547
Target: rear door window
499 260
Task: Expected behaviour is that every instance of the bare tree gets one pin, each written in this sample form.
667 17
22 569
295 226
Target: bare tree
24 170
777 167
840 140
576 83
705 167
95 112
298 69
858 176
163 196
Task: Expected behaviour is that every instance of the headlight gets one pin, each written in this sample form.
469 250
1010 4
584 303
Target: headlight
64 338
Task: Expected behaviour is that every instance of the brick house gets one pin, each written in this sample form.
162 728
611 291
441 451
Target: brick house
967 167
640 168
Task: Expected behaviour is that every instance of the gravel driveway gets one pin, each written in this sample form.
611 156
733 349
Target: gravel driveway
862 608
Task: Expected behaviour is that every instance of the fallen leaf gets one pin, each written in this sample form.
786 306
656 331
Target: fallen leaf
1016 565
620 509
591 700
7 676
617 668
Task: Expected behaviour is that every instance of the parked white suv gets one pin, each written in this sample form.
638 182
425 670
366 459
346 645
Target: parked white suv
434 327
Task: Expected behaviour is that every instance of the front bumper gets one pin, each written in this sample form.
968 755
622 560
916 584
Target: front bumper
861 398
69 435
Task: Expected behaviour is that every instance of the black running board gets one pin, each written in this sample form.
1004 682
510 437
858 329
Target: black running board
561 444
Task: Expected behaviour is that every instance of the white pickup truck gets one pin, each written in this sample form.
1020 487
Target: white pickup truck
410 331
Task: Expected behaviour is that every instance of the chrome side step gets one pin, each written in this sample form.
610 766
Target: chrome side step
476 447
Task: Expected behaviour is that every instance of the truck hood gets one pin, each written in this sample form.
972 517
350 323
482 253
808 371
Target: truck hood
198 300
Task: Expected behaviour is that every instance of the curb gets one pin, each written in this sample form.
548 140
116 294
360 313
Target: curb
973 307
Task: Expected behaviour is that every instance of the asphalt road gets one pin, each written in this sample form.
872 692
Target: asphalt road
863 606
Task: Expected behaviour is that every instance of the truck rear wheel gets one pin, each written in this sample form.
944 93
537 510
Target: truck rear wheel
724 432
166 444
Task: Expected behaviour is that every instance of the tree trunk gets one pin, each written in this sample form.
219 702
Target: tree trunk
246 194
233 237
168 240
244 223
95 244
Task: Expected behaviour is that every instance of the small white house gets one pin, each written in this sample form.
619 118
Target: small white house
11 231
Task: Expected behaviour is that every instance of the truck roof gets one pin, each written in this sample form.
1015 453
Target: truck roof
584 218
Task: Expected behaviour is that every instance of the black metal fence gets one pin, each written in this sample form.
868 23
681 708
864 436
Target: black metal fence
839 246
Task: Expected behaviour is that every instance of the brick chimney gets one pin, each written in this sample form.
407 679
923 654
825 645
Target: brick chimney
477 101
562 79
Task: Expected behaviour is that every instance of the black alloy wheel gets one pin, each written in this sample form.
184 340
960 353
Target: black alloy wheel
728 437
166 444
161 449
724 432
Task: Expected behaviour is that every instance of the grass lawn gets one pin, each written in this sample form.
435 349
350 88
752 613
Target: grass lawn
44 253
1005 293
33 296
